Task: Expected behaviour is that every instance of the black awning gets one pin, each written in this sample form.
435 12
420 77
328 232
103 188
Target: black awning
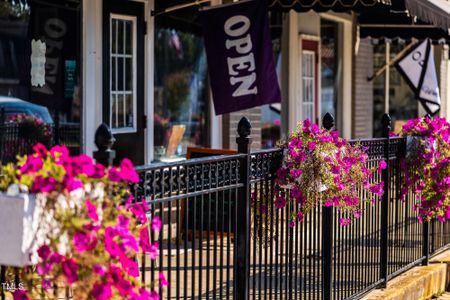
436 12
396 23
325 5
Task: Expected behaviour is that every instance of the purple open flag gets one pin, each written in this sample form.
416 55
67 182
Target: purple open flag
240 56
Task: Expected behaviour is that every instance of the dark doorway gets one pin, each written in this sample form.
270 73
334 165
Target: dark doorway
123 76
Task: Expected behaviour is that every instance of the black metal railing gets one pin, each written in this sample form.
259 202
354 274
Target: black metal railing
222 238
248 249
19 139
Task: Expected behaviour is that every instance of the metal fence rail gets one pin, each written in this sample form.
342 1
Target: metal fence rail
19 139
223 239
315 259
196 201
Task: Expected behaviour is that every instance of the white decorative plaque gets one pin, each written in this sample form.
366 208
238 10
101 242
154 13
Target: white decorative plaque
38 49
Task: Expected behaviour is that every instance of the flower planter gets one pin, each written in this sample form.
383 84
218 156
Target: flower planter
18 226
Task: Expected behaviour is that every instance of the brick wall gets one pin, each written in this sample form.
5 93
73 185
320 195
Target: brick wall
230 122
363 91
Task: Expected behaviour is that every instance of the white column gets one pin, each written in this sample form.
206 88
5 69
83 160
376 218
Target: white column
294 84
149 86
92 72
445 82
347 74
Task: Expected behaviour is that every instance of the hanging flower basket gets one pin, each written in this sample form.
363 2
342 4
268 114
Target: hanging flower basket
320 168
427 166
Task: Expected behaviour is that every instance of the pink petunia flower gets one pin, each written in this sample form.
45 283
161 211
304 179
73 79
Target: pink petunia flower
382 165
162 279
156 224
127 171
280 202
85 241
70 270
101 291
91 211
20 294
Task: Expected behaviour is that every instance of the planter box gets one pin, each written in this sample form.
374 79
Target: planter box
18 226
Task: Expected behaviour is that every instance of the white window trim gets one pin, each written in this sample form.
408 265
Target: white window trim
296 76
133 19
346 95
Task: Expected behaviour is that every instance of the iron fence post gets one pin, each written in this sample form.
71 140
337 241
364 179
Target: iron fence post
242 238
104 140
327 234
426 234
386 122
425 243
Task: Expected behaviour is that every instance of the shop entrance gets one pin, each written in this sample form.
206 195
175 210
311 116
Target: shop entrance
123 76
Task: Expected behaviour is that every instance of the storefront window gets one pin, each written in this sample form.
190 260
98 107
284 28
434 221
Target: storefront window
40 64
271 114
402 103
330 71
181 92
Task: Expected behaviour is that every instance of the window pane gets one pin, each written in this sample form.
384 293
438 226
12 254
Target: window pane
59 93
129 40
120 73
114 35
120 111
113 74
402 103
181 96
129 74
271 114
129 110
114 111
123 67
120 36
329 31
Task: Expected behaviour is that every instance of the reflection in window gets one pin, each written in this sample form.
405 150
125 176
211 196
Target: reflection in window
57 23
181 94
271 114
330 74
402 103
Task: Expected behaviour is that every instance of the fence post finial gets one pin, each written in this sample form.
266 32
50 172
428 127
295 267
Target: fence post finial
328 121
104 140
244 127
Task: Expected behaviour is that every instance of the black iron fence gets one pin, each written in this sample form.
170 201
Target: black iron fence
223 239
19 139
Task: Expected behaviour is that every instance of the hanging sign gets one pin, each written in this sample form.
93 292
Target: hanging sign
240 56
37 58
418 68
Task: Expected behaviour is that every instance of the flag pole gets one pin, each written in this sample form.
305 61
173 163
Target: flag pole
387 82
390 62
